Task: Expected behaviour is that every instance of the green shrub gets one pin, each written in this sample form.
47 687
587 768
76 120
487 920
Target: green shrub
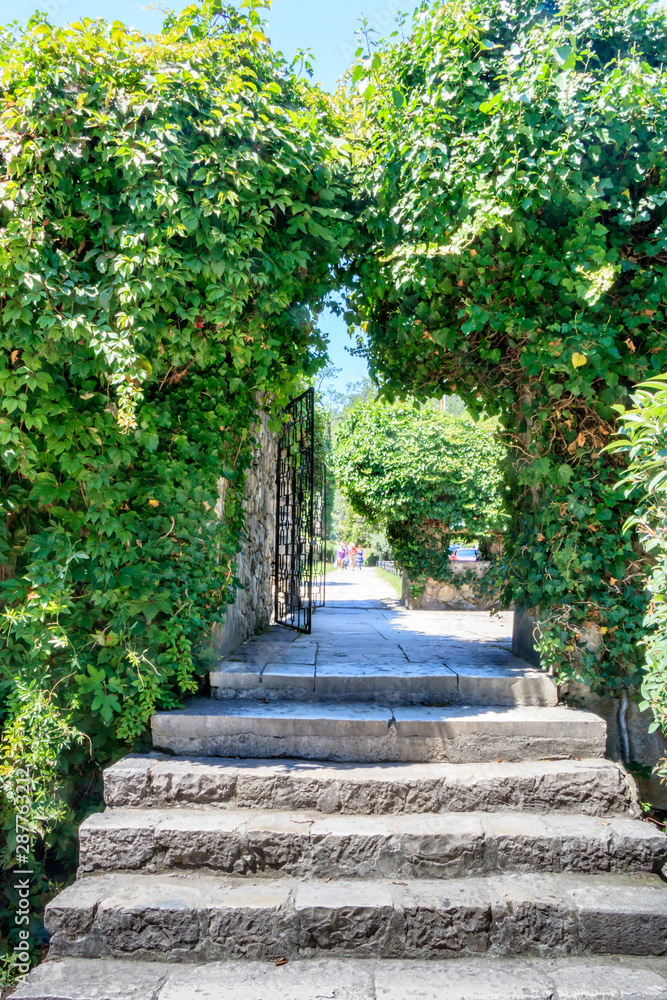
170 221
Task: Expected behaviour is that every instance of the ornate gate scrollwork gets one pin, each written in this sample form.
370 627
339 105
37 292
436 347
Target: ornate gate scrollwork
300 561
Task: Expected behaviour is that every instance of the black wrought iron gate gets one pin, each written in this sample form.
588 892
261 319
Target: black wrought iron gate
301 504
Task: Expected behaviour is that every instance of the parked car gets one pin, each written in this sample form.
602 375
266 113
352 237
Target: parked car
464 555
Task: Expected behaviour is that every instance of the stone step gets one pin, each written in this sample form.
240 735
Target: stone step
584 978
595 787
415 845
362 731
195 917
385 679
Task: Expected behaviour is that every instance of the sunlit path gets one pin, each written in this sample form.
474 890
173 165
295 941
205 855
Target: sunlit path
362 588
363 605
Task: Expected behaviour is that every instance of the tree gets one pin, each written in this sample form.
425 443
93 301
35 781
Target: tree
512 159
424 476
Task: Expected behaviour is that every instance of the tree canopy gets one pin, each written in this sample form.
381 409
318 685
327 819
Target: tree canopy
423 475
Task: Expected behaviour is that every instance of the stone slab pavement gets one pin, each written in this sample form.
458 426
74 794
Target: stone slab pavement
363 621
366 647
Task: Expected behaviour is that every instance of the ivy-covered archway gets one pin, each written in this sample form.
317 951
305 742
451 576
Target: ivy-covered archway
173 212
511 160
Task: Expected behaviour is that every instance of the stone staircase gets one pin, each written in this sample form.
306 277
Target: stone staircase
316 831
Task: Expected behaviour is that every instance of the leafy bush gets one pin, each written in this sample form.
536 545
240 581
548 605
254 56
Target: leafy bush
644 440
512 156
170 220
423 475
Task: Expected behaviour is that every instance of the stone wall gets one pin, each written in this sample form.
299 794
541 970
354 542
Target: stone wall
253 608
523 636
645 748
448 596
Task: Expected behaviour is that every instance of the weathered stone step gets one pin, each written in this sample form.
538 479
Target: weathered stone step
199 917
386 679
611 978
368 732
595 787
417 845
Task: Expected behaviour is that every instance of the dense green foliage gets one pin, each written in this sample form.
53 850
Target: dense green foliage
513 160
170 220
424 476
644 439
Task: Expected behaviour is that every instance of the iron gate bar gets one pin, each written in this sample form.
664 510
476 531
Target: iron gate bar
296 530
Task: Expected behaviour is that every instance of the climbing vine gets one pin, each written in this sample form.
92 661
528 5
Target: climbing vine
512 157
171 218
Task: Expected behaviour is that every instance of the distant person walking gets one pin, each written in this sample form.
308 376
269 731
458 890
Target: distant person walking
360 557
346 560
352 553
340 555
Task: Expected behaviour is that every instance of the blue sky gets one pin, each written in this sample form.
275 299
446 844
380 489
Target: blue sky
352 369
326 28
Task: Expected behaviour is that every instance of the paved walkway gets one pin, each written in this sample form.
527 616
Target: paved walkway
363 588
365 644
363 621
374 668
